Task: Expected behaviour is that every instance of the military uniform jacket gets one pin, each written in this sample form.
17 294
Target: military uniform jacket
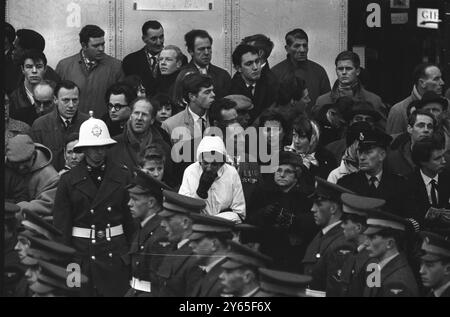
397 280
13 270
314 263
79 203
146 251
392 188
210 284
347 273
177 274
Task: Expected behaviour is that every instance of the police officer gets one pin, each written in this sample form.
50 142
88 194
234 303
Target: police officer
178 271
240 277
283 284
327 210
92 213
13 269
150 241
435 264
209 243
392 277
346 273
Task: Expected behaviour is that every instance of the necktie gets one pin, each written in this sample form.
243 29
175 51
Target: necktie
203 71
251 90
154 66
372 184
203 125
434 201
67 123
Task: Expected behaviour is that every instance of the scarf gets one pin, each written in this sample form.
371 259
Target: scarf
138 144
350 158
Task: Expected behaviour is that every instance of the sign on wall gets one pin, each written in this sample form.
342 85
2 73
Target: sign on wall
428 18
173 5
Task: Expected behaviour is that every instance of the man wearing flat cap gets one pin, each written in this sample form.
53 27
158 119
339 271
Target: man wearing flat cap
209 244
435 264
91 211
178 271
283 212
32 161
346 265
393 276
240 277
150 241
373 180
327 211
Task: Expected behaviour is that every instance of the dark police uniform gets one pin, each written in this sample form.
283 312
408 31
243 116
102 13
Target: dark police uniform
179 270
150 241
91 210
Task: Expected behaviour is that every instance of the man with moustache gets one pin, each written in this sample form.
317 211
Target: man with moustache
91 211
178 271
150 241
52 128
248 80
144 62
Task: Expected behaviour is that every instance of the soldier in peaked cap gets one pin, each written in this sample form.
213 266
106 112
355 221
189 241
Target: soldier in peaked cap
392 277
209 243
178 271
373 180
346 265
240 277
435 264
13 269
327 210
283 284
150 241
92 212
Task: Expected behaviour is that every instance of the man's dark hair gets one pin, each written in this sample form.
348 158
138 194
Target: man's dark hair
217 106
240 50
419 71
348 55
413 117
29 39
121 88
90 31
190 37
66 84
70 138
291 88
161 99
34 55
422 149
10 32
274 115
303 127
152 24
295 34
260 42
153 109
193 82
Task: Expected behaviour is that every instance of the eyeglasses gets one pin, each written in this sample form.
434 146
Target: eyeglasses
45 103
116 106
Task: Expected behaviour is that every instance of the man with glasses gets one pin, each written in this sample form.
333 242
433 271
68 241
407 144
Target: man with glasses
52 128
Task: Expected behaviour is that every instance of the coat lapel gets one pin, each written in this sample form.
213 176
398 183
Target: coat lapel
110 184
83 182
212 278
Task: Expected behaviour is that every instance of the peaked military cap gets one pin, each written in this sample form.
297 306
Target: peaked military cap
365 108
240 255
36 224
358 205
434 246
52 251
11 210
205 224
283 283
374 138
327 190
379 220
175 203
143 183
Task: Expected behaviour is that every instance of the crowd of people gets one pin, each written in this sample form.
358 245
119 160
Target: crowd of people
157 176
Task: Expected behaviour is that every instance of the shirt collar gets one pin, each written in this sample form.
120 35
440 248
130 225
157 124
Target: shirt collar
438 292
427 179
378 176
361 247
182 243
144 222
251 293
29 94
210 266
196 116
416 93
383 263
199 68
65 119
89 63
329 227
